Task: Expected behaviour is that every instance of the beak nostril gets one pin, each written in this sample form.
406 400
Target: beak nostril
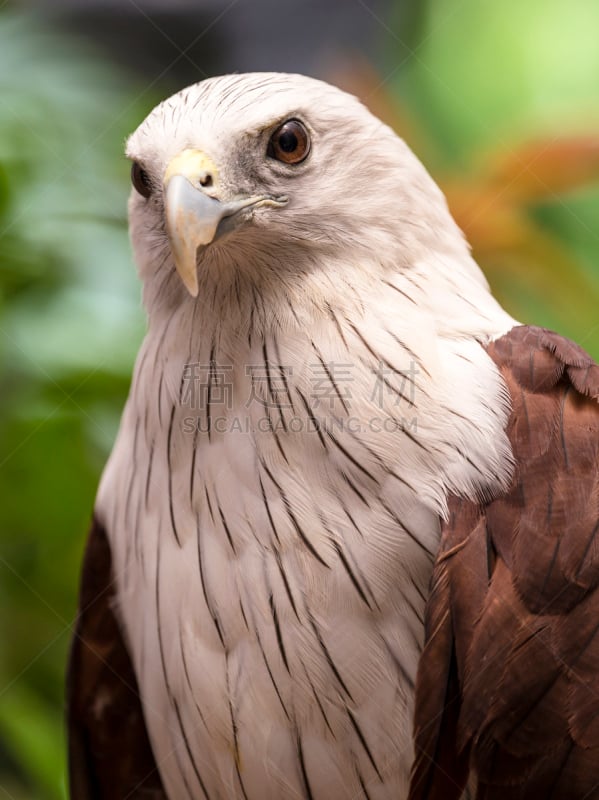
206 179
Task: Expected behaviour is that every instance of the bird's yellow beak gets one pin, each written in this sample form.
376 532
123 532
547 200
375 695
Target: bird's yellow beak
194 211
192 216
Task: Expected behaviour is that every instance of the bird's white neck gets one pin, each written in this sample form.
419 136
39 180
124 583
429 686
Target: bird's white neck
273 504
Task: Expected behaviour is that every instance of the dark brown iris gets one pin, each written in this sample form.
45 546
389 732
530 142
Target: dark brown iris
290 143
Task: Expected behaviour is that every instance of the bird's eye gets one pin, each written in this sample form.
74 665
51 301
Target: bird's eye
290 143
141 180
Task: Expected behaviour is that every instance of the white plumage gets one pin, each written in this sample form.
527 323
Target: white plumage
271 578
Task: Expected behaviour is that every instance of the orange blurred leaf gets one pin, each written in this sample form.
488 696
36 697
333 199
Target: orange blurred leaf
540 169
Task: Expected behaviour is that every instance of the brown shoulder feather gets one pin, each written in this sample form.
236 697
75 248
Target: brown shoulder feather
508 683
109 753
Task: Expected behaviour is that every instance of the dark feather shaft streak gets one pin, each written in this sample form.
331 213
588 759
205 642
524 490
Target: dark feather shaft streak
363 742
171 506
270 675
207 600
303 770
189 752
327 655
293 518
275 619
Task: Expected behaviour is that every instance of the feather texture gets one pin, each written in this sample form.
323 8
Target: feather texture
508 683
109 751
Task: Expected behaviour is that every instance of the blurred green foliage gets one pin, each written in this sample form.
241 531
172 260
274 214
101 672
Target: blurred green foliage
70 325
504 100
471 86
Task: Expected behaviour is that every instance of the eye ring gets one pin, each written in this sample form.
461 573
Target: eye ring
290 143
141 180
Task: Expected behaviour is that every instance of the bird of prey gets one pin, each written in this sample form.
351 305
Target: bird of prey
346 544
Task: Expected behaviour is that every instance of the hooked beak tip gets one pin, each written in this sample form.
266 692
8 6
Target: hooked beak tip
191 222
193 217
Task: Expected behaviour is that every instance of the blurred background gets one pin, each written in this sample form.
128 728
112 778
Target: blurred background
500 101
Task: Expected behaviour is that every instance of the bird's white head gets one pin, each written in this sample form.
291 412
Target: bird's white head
286 186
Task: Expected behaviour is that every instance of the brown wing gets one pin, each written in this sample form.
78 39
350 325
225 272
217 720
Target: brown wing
508 683
109 753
